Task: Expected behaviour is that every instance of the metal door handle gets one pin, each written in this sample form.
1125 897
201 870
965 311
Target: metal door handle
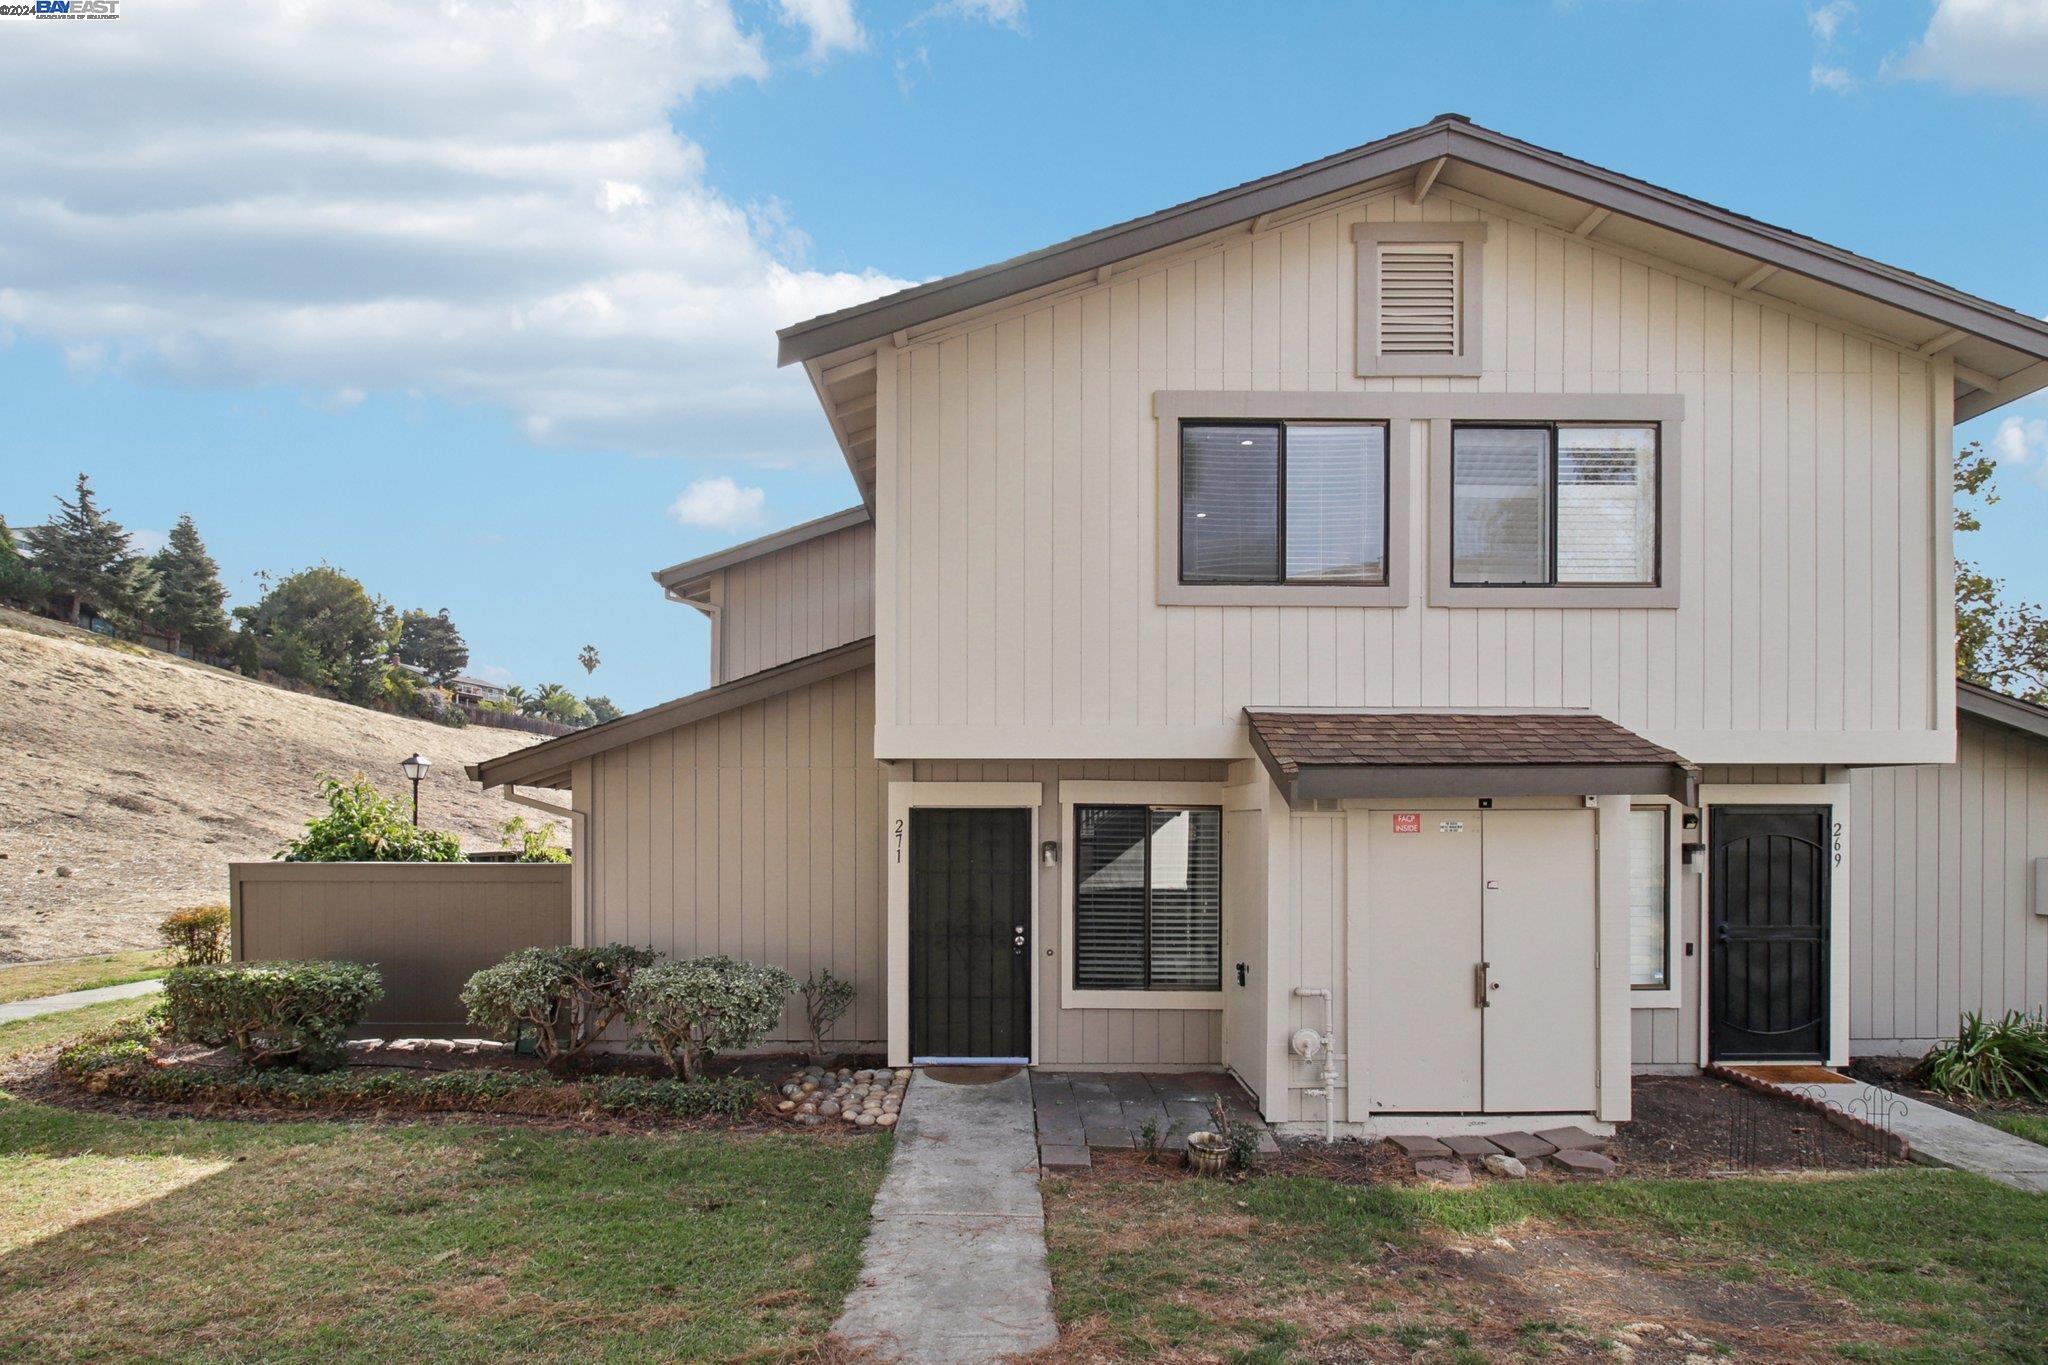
1479 984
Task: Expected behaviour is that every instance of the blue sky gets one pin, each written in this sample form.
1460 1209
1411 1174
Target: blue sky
477 302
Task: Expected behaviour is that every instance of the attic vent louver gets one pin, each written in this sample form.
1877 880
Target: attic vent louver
1418 299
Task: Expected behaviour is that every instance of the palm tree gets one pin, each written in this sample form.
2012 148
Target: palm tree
516 694
559 704
587 656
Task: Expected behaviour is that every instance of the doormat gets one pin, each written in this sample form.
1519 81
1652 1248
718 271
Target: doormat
1790 1074
971 1075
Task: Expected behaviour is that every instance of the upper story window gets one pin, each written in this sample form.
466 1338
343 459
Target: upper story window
1283 502
1554 505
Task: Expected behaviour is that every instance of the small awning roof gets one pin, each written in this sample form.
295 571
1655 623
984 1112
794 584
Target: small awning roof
1316 755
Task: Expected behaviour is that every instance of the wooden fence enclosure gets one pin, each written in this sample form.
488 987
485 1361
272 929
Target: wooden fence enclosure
425 926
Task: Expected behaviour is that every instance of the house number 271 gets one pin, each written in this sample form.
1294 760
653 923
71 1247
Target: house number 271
899 840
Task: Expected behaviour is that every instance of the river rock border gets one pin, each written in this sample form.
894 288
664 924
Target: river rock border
862 1099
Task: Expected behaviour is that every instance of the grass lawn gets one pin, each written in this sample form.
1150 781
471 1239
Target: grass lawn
1909 1264
2033 1127
27 980
127 1238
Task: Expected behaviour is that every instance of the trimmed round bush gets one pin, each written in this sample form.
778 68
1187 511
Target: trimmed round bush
196 936
271 1012
691 1009
568 997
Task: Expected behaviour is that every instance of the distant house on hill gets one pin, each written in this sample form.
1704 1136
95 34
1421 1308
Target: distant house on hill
474 691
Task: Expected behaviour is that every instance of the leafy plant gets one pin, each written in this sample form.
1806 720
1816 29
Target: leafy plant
430 642
691 1009
826 1000
271 1012
323 627
197 936
533 843
187 603
20 581
1241 1138
363 825
2006 1060
602 709
88 559
568 997
2001 640
1153 1138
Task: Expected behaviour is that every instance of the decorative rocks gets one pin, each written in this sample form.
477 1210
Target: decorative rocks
1440 1172
1506 1167
863 1098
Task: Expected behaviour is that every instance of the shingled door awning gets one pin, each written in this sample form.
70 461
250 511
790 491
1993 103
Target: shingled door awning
1333 754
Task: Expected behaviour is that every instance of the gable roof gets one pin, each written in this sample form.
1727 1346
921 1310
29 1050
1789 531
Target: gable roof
548 764
2001 353
677 578
2025 716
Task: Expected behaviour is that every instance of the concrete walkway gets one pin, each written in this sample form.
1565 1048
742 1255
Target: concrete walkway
71 1000
1943 1138
954 1267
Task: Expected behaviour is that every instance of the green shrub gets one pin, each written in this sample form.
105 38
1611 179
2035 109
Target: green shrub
196 936
533 843
826 999
568 997
2007 1060
728 1097
362 825
271 1012
690 1009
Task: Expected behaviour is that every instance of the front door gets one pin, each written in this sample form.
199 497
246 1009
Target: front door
1768 896
970 935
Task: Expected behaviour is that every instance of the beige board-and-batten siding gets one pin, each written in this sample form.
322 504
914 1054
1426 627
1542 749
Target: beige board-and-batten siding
426 927
800 600
1941 869
1017 602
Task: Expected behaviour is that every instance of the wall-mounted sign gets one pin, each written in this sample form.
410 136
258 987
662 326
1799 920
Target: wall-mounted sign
1451 827
1409 822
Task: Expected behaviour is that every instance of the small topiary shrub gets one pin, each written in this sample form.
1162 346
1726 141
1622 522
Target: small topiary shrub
271 1012
567 997
198 936
2007 1060
826 999
690 1009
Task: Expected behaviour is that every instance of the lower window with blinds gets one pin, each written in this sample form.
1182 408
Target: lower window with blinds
1148 898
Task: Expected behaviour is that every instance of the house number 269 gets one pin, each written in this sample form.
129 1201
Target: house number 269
1838 843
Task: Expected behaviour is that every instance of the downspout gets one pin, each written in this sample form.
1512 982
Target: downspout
579 859
1307 1043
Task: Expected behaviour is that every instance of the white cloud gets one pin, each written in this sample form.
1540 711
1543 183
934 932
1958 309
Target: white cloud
1830 19
1999 46
1005 13
148 542
480 199
2022 443
718 503
1832 79
830 23
490 673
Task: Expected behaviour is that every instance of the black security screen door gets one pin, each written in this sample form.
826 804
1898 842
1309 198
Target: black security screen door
1769 891
970 935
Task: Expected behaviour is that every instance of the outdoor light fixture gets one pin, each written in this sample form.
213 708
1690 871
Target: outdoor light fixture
415 768
1049 853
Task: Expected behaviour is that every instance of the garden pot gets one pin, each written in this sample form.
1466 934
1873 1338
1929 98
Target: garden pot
1208 1153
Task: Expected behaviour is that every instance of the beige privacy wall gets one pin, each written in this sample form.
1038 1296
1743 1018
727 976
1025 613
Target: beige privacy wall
756 833
1940 888
803 599
1015 555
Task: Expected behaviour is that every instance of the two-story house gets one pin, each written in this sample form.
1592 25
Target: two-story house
1404 630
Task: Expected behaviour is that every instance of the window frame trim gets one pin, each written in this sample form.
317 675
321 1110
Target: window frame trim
1552 485
1184 795
1470 239
1668 996
1284 580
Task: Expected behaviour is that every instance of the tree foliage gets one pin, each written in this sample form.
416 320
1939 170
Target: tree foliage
362 825
602 709
430 642
691 1009
557 703
21 582
534 843
2001 641
189 594
567 997
89 559
323 627
587 656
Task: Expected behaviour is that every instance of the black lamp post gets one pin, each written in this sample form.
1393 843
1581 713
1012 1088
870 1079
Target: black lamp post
415 768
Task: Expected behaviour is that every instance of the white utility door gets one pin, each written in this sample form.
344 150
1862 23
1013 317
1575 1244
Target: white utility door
1541 1028
1423 947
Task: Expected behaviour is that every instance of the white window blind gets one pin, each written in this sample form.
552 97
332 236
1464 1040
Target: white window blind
1148 898
1500 505
1606 505
1337 502
1649 897
1229 504
1418 298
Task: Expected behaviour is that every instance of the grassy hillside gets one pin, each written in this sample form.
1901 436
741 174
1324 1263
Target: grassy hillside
130 780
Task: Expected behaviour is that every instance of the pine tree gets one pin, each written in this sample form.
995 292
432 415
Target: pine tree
189 593
88 558
20 581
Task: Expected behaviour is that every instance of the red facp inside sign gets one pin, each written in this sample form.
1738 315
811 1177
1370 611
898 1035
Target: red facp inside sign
1408 823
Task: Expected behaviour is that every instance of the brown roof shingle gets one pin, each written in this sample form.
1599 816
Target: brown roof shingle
1408 739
